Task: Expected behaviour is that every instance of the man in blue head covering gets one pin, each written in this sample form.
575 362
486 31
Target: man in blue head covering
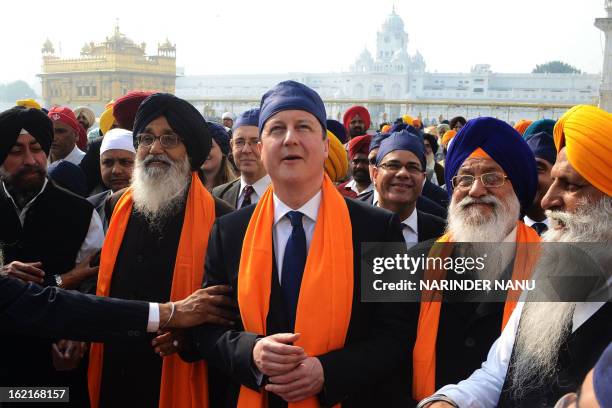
269 354
254 179
398 178
543 147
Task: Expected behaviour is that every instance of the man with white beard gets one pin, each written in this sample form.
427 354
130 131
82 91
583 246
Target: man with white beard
547 349
491 177
154 251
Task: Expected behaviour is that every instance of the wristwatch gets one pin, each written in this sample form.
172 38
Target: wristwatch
59 281
435 398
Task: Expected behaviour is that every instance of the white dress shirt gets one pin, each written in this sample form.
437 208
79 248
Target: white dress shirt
259 188
483 388
529 222
410 226
281 230
95 234
74 157
353 186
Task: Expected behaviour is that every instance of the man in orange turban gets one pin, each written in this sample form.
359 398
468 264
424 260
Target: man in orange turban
522 125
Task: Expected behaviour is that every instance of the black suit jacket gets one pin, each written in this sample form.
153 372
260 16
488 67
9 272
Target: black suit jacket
54 313
374 367
228 192
437 194
429 226
424 204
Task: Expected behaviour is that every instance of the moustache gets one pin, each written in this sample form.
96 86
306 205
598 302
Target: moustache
157 158
28 169
489 200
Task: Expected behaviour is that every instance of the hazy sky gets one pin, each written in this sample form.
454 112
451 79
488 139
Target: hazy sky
268 36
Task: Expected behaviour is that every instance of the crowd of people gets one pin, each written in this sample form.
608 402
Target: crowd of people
225 258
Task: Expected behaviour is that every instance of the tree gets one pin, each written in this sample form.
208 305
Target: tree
13 91
555 67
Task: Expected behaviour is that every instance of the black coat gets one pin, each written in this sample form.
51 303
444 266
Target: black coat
436 194
54 313
424 205
374 367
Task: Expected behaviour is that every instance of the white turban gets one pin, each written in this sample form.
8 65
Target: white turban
88 113
228 115
117 139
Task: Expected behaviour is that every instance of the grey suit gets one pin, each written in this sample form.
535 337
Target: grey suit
228 192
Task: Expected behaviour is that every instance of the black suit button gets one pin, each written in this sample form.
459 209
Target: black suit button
139 258
469 342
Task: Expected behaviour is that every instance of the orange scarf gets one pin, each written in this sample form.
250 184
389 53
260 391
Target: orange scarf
326 293
424 354
183 385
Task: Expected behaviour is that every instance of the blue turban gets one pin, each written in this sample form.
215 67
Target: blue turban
220 135
403 140
337 129
504 145
69 176
291 95
542 125
602 378
377 140
543 146
247 118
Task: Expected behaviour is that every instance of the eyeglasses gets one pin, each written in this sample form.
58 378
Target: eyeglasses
168 141
240 143
394 167
487 179
357 162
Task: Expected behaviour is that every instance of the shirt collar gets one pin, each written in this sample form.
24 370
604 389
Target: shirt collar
22 212
412 221
529 222
260 186
309 209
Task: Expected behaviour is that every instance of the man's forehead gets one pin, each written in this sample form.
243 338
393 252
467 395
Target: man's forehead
402 155
26 138
356 117
117 154
60 125
293 115
482 164
160 122
563 169
246 132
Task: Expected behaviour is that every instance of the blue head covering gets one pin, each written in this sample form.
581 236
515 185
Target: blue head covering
68 176
337 129
542 125
403 140
220 135
290 95
543 146
247 118
602 378
504 145
377 140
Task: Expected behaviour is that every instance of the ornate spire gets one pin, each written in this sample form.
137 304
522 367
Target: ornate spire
47 48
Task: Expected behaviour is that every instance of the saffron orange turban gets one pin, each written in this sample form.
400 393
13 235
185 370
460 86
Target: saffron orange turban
336 164
448 136
522 125
586 133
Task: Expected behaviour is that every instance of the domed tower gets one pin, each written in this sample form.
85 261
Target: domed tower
391 38
363 63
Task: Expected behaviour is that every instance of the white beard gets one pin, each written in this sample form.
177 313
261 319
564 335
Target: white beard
544 326
470 225
157 192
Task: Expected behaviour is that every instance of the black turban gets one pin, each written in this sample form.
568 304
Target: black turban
184 119
221 136
32 120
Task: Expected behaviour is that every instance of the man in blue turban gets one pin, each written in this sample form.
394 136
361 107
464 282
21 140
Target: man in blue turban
543 147
398 178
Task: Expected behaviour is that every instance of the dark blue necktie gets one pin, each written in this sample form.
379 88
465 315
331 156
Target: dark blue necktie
294 261
539 227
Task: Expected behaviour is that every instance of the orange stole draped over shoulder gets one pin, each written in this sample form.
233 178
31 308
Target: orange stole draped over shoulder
326 293
424 354
183 385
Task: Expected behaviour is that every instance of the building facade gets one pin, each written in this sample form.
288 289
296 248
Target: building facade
105 71
394 76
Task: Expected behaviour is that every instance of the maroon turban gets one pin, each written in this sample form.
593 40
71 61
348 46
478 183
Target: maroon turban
124 108
359 144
